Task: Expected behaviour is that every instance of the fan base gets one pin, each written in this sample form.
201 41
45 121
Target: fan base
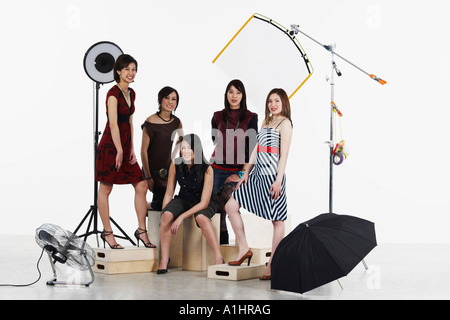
66 283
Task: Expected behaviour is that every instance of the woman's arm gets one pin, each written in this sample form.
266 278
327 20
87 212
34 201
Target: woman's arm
204 201
114 127
248 167
286 136
133 158
144 158
180 134
171 183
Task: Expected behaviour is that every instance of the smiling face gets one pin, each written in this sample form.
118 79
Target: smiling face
187 153
169 103
277 105
234 97
274 104
128 73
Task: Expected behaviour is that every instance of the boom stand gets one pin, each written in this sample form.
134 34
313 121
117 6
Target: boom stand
92 213
330 48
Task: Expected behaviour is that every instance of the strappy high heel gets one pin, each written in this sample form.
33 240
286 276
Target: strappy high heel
248 256
137 235
103 236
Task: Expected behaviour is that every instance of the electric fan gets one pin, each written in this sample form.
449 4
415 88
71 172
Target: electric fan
65 247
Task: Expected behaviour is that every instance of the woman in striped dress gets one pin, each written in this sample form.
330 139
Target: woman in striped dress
262 188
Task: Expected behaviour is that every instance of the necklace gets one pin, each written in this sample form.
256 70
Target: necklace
128 90
126 95
159 115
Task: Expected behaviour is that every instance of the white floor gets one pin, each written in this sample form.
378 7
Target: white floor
396 271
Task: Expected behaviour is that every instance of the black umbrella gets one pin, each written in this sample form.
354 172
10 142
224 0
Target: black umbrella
321 250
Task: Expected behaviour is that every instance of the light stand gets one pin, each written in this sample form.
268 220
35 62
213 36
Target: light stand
99 63
330 48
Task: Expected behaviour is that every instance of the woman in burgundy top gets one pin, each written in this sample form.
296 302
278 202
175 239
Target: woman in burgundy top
116 161
234 132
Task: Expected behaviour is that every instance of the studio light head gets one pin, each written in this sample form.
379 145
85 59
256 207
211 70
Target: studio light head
99 61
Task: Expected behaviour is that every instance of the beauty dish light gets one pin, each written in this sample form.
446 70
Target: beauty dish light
99 61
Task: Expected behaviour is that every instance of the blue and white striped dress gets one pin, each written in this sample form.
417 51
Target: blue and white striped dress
255 197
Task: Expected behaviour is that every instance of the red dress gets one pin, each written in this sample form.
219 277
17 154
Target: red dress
105 170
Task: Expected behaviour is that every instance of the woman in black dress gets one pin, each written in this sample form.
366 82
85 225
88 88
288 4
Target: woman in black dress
158 134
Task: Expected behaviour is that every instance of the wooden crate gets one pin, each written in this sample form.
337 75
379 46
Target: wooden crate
126 254
121 267
197 255
242 272
259 231
127 260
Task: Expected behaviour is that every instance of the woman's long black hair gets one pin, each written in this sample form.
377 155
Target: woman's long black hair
243 107
200 162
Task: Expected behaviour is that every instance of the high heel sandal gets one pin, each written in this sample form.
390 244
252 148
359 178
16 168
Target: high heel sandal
137 235
248 256
103 236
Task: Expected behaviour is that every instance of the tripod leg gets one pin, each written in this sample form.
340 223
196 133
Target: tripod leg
125 236
89 225
93 216
95 231
84 219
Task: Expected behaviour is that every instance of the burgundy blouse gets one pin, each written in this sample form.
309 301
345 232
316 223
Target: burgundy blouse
234 139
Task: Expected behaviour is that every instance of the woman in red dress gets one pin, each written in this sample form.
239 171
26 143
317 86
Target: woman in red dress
116 161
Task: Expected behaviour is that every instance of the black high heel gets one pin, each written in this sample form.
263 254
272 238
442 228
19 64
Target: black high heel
103 236
162 271
137 235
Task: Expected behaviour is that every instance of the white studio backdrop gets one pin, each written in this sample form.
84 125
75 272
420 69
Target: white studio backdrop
396 174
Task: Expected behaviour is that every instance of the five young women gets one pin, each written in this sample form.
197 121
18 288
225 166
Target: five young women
252 162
